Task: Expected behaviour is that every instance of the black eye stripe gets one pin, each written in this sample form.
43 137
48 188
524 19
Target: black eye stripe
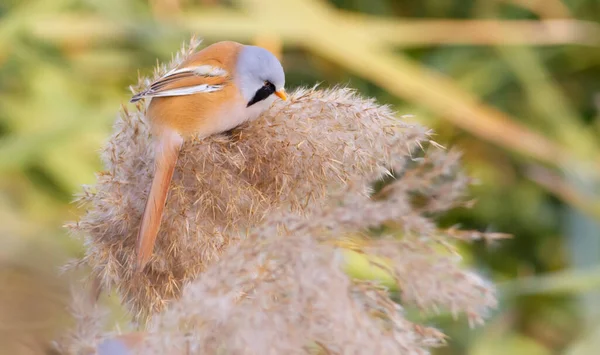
265 91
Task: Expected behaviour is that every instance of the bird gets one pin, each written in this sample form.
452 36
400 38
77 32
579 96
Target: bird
212 91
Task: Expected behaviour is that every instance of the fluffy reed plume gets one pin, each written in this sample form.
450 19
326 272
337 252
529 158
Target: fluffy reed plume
283 290
84 337
290 158
249 256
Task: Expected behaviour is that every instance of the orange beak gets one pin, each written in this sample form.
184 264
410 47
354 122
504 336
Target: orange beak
282 95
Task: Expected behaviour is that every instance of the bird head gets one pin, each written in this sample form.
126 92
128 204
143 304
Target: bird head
259 75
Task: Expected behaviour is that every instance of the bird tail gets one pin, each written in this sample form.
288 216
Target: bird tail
167 146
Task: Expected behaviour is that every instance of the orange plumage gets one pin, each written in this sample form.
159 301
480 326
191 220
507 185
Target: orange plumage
195 113
201 97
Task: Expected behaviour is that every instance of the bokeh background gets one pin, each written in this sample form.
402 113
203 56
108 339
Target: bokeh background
514 84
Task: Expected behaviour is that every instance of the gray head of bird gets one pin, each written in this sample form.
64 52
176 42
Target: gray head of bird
259 75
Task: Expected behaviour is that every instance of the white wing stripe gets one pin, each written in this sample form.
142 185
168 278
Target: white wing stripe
190 90
210 71
202 70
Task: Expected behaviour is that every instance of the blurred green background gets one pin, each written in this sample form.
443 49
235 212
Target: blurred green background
514 84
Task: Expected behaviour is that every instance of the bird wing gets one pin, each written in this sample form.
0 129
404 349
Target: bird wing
188 80
167 146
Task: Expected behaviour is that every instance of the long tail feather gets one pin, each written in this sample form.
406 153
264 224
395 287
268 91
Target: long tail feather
168 143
